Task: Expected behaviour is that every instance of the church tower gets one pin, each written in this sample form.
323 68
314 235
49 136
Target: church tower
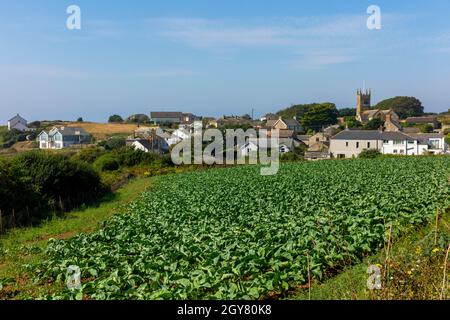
362 101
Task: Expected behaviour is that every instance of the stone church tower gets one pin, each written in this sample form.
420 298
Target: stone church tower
362 101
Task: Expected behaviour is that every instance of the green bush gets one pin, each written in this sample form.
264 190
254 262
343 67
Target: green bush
9 138
290 157
426 128
36 183
90 154
106 162
370 154
58 177
128 157
113 143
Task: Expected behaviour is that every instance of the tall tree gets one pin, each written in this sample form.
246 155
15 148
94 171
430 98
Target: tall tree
404 106
138 118
320 115
115 118
297 110
347 112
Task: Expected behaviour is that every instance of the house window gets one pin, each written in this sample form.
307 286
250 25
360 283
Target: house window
357 145
434 144
317 139
386 141
395 151
398 142
346 144
402 151
368 145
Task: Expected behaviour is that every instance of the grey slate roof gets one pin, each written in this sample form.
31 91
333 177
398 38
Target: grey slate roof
73 131
17 116
291 122
175 115
371 135
358 135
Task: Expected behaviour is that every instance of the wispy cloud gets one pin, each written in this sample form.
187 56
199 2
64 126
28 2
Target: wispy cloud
205 33
308 39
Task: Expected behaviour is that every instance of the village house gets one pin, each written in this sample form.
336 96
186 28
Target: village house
150 141
365 114
284 124
350 143
159 118
17 123
253 145
431 120
319 143
177 136
287 142
234 121
63 137
269 116
210 122
304 138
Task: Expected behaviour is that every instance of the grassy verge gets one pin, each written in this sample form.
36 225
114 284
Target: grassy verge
20 247
411 269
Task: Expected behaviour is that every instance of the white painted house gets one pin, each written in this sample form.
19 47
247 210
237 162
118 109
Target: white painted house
143 145
177 136
253 144
63 137
350 143
249 148
17 123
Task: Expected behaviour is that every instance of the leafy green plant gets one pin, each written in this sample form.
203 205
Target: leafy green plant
370 154
106 162
234 234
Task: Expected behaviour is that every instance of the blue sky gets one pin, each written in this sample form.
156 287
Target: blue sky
215 57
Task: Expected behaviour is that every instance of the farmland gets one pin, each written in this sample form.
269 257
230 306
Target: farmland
233 234
102 131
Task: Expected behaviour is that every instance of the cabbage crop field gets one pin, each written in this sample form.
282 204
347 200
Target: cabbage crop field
233 234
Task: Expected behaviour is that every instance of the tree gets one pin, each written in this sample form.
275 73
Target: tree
404 106
80 119
347 112
352 122
295 111
426 128
115 119
373 124
320 115
138 118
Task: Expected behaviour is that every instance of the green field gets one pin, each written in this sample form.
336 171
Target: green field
233 234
